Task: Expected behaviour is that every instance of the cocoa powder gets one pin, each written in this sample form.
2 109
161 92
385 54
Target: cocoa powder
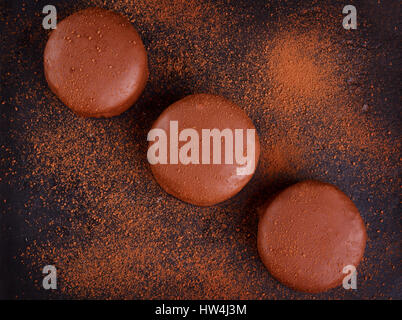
108 227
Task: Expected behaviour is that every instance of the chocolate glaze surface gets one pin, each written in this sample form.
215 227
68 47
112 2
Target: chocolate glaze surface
203 184
96 63
308 233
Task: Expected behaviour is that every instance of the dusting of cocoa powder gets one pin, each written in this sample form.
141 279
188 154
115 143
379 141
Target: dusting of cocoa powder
112 232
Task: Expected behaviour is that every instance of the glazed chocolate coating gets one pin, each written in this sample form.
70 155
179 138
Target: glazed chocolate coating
203 184
308 233
96 63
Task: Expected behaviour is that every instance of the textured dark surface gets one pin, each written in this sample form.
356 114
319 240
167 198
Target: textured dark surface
23 41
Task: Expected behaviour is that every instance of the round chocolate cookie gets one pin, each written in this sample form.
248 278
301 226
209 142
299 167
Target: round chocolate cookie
96 63
308 233
188 172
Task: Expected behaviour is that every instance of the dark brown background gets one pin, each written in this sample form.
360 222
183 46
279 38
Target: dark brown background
21 51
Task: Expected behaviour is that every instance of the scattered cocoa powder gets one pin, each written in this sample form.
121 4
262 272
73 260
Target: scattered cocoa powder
112 232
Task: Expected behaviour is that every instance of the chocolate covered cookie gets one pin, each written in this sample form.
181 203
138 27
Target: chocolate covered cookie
308 233
96 63
203 149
